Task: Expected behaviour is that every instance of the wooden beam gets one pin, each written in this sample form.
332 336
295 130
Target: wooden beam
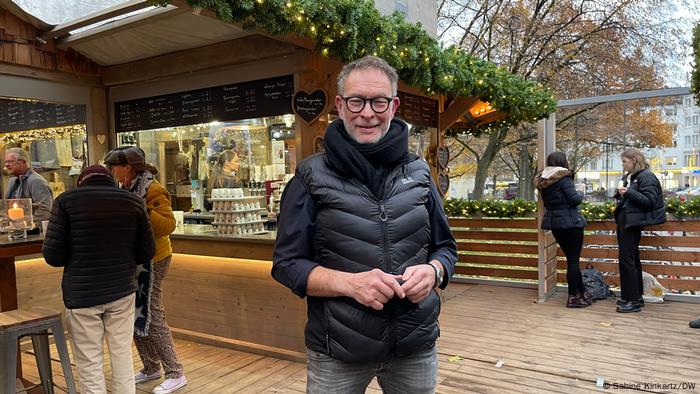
96 17
491 117
47 75
455 112
98 125
117 26
248 49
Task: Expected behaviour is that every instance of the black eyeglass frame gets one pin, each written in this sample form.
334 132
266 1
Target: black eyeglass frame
364 103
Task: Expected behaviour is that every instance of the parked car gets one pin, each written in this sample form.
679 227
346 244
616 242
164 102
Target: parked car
690 192
674 191
510 193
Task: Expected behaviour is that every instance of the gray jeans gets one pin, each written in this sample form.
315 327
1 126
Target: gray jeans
416 373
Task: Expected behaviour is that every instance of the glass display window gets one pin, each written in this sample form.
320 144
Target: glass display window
195 159
53 135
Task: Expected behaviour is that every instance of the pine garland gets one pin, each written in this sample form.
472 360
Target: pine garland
459 207
18 137
350 29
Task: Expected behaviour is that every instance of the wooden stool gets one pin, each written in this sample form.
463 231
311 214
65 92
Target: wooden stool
35 322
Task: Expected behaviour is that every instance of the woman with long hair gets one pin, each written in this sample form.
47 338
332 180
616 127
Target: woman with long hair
129 167
640 203
556 187
225 173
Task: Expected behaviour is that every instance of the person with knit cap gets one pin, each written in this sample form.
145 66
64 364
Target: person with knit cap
129 167
100 235
363 235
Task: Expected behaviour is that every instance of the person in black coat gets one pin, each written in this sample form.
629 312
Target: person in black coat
556 187
99 234
640 203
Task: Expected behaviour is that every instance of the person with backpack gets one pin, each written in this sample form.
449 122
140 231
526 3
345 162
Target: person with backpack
556 189
640 203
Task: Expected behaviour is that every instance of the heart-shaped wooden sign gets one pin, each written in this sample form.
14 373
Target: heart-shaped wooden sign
101 138
443 183
309 106
443 155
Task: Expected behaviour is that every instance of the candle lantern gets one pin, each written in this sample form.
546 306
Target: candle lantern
16 217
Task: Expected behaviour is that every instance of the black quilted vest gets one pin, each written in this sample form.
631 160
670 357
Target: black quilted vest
357 232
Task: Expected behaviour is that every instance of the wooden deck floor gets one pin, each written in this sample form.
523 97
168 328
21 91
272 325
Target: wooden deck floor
545 348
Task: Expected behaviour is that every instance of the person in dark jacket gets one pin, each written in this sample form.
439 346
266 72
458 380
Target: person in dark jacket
363 234
99 234
640 203
556 186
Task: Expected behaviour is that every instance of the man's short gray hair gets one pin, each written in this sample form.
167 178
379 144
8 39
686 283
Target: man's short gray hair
365 63
19 153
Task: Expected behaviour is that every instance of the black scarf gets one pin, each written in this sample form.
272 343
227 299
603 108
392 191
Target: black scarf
370 163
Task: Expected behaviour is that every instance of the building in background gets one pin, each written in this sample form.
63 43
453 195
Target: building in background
676 165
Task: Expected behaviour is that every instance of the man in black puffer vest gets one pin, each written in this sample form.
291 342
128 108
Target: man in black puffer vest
99 234
363 234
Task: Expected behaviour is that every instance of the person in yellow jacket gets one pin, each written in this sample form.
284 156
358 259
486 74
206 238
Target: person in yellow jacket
129 167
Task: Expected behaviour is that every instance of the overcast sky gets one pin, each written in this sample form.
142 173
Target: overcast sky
689 13
59 11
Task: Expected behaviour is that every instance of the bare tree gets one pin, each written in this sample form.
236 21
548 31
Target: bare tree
577 48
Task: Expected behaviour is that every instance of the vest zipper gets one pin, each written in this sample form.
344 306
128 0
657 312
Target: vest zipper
328 327
385 238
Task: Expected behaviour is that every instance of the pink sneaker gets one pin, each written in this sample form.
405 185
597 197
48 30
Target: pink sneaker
143 377
170 385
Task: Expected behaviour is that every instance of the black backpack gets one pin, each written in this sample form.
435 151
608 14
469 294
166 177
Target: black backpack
594 283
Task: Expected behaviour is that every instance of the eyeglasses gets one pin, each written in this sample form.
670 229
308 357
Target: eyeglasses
12 161
357 104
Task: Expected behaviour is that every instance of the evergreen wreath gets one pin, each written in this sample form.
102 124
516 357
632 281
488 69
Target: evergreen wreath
350 29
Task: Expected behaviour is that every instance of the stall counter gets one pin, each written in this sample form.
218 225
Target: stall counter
203 239
219 291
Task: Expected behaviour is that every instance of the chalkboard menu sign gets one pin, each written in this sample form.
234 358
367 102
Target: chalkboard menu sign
253 99
417 110
309 106
18 115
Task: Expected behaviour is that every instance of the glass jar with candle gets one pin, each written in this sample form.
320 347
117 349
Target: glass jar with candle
16 217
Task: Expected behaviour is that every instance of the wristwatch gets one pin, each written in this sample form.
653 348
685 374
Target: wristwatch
438 273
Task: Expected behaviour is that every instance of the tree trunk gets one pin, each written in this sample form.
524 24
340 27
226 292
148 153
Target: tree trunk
525 185
494 178
482 166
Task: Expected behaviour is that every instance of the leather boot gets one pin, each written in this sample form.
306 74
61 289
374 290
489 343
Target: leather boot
640 301
588 297
629 306
576 301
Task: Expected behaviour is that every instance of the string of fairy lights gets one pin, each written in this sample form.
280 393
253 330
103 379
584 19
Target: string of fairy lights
349 29
19 137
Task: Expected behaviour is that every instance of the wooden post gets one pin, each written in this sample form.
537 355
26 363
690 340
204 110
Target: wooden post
8 284
97 125
315 73
547 246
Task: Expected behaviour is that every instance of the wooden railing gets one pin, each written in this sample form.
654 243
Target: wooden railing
506 249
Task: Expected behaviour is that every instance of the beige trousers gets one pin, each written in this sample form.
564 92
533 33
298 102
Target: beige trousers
114 322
